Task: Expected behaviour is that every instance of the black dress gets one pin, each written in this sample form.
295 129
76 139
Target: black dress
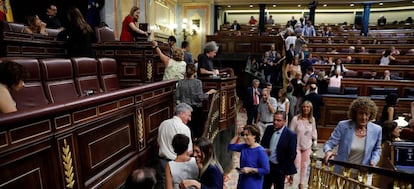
78 44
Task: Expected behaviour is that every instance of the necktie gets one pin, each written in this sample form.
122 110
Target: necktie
273 144
255 100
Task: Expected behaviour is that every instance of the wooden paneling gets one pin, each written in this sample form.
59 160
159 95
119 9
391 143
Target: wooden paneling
89 143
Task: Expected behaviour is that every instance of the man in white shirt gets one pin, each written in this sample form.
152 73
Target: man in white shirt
267 108
168 129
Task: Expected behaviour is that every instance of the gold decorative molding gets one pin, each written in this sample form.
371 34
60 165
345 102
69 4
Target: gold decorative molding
68 165
140 127
223 103
149 70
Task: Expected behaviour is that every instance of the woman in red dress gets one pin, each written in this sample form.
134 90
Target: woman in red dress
130 27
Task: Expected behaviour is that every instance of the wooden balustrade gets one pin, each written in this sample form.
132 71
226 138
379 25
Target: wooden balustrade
323 176
93 142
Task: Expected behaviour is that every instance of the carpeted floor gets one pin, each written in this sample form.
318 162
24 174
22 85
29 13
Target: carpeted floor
231 178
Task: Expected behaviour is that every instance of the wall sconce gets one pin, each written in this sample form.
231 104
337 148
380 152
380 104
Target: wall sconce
186 29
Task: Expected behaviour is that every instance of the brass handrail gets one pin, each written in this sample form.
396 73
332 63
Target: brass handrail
323 175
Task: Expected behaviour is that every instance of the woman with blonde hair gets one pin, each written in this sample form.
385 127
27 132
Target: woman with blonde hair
175 67
35 25
130 27
304 126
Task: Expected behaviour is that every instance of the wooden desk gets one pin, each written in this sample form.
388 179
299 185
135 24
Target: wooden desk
404 71
138 63
227 88
366 86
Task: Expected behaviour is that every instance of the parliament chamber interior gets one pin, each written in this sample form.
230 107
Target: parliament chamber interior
89 121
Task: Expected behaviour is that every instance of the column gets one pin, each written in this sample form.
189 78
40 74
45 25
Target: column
365 19
262 20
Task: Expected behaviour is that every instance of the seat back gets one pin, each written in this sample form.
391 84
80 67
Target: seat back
52 32
86 75
108 74
104 34
32 94
14 27
58 79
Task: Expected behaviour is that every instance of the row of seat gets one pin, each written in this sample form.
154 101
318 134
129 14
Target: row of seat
57 80
19 28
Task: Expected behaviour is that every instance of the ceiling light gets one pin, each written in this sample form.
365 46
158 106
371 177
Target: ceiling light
299 5
274 5
380 4
352 5
325 5
251 5
229 6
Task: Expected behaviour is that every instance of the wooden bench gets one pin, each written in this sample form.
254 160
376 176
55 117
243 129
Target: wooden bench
377 87
366 58
353 40
370 48
404 71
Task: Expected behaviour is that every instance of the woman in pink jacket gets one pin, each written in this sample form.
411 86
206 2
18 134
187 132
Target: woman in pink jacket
304 126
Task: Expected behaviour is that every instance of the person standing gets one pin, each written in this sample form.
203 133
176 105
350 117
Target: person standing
252 20
309 30
190 91
211 172
253 159
280 144
130 27
270 20
167 130
358 139
205 60
267 107
79 35
188 57
235 26
251 101
51 19
183 167
174 66
304 126
388 112
316 100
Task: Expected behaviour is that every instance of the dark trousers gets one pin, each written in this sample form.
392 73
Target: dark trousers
275 177
251 114
197 122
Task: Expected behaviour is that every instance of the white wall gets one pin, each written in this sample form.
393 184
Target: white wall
324 16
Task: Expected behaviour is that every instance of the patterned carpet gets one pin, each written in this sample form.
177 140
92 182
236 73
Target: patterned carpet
230 180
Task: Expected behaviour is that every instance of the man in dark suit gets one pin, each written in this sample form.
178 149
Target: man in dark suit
252 100
316 101
280 143
290 53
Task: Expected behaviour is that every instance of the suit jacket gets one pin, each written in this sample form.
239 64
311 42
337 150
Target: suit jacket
285 150
317 102
248 101
343 135
290 56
